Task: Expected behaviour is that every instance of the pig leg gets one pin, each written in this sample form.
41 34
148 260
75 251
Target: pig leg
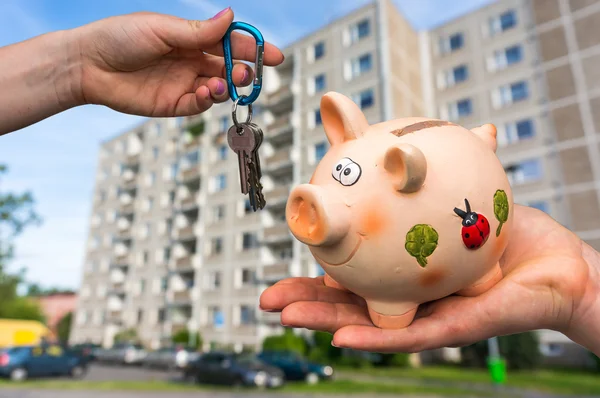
328 280
484 284
404 313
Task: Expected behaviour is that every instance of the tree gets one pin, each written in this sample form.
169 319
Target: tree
63 328
16 213
127 336
288 341
183 337
520 350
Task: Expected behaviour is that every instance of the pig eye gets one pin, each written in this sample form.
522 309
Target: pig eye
338 167
350 174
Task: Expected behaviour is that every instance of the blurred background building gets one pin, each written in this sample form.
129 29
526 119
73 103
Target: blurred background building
173 244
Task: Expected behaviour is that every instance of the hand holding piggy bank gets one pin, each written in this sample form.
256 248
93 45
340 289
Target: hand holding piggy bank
405 211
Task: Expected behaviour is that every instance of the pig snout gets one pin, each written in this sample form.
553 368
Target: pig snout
317 217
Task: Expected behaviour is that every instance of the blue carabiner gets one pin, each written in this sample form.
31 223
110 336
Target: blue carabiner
258 68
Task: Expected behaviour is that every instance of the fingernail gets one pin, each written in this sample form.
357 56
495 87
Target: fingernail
220 88
333 344
220 13
245 78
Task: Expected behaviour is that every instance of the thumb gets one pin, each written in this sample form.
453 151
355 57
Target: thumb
194 34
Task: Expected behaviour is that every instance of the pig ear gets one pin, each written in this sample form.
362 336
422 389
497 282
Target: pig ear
342 118
407 167
487 133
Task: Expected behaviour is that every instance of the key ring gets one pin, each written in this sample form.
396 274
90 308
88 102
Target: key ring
258 72
234 114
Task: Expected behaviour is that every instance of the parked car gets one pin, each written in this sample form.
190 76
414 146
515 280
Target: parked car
123 354
23 362
239 370
295 367
86 350
174 357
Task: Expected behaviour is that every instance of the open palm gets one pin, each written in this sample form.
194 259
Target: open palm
546 285
160 65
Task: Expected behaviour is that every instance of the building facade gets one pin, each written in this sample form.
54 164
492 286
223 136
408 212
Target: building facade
173 244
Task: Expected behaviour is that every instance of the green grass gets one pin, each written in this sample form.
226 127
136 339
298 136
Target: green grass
557 381
334 387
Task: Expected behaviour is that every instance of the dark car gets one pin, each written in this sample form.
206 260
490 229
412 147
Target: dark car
239 370
86 351
23 362
295 367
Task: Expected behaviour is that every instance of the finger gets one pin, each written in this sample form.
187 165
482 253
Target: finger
278 297
454 321
212 66
327 317
194 103
208 35
302 279
243 47
218 89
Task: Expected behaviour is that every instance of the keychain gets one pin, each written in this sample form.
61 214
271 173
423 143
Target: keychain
245 138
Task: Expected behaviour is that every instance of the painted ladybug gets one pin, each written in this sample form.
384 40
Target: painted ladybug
476 228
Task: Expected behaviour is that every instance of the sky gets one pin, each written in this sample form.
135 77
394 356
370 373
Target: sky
55 159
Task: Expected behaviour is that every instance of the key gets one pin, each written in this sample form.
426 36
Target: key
243 144
259 139
260 199
257 199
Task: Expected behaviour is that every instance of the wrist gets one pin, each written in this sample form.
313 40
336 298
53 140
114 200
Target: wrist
584 327
67 81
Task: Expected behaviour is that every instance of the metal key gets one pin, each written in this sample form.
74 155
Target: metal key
243 143
259 139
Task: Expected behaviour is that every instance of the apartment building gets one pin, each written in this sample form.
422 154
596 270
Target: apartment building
173 243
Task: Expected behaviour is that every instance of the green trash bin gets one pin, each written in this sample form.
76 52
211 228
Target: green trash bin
497 367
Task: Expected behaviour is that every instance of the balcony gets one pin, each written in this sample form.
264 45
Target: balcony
185 234
183 264
277 234
275 272
114 304
117 276
280 131
183 297
114 318
281 100
189 173
277 197
279 164
124 227
126 203
188 202
117 289
121 251
128 179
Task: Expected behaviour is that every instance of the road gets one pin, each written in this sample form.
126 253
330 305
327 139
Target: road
99 372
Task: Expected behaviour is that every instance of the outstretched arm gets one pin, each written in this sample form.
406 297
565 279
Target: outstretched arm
145 64
37 79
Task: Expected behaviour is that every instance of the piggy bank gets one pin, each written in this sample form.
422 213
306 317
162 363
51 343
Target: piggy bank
405 211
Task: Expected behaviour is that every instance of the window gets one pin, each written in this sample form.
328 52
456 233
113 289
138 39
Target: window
213 280
247 206
320 83
222 152
459 109
246 315
155 152
452 43
460 73
151 178
164 284
248 277
142 285
169 226
216 245
509 94
319 50
140 315
145 257
501 59
158 129
162 315
249 240
464 107
171 197
515 132
174 170
223 123
167 254
357 31
524 172
320 150
318 120
218 213
217 317
358 66
542 205
364 99
192 158
220 182
503 22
